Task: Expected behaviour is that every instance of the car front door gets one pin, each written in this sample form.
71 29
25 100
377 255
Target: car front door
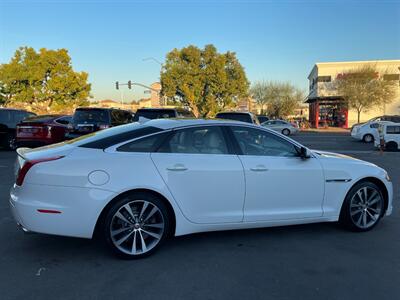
204 176
279 184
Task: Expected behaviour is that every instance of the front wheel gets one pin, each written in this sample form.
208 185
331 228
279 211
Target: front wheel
368 138
285 131
363 207
136 225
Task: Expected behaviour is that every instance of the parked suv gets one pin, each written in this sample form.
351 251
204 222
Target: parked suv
390 134
9 118
162 113
42 130
239 116
88 119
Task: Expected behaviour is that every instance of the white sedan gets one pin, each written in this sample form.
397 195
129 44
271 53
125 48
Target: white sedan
367 132
281 126
138 184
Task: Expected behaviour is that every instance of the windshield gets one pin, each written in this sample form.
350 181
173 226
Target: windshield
154 114
91 116
235 116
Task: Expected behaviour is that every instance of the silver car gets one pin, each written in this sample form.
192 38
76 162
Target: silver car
281 126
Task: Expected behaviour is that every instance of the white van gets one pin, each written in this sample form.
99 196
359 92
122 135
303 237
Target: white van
390 133
368 132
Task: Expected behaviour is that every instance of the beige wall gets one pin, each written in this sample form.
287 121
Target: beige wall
323 89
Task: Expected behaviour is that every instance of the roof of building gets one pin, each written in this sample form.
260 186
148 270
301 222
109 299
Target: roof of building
358 62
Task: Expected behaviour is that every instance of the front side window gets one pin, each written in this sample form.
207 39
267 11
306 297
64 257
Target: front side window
257 142
198 140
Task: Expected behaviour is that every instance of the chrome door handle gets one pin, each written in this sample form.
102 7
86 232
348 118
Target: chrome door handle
259 169
177 168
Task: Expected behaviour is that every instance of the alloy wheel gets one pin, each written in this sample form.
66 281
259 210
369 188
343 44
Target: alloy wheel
368 138
366 207
137 227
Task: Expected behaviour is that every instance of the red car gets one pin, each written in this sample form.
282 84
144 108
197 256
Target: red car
42 130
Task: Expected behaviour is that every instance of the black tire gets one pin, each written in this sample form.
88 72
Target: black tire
133 200
351 216
368 138
286 131
391 146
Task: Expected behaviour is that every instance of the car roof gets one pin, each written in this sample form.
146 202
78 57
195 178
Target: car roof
174 123
13 109
155 109
235 112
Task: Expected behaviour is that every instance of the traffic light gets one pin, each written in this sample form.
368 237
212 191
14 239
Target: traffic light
129 84
117 85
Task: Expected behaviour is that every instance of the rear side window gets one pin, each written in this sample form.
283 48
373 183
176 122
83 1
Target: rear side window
146 144
112 136
198 140
374 125
393 129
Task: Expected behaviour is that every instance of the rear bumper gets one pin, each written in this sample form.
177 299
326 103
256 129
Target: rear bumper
79 209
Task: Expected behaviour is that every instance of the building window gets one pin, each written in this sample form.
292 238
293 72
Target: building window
391 77
324 79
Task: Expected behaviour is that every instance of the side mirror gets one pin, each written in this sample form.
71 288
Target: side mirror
304 153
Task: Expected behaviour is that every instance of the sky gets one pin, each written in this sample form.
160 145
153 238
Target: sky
274 40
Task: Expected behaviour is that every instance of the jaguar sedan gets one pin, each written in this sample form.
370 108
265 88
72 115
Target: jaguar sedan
136 185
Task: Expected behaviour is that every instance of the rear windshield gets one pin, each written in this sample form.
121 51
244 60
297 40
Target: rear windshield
154 114
112 136
235 116
91 116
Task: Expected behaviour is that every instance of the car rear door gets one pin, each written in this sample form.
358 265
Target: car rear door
279 184
203 174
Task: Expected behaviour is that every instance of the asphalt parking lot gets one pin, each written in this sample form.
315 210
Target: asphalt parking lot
319 261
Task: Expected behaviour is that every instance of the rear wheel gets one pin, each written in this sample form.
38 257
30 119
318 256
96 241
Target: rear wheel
392 146
363 207
368 138
285 131
136 225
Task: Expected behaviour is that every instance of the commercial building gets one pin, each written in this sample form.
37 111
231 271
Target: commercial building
327 107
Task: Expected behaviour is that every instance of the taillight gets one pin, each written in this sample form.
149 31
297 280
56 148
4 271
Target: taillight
29 164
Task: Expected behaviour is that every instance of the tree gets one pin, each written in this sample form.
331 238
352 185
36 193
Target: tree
281 98
203 79
42 79
259 92
363 89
